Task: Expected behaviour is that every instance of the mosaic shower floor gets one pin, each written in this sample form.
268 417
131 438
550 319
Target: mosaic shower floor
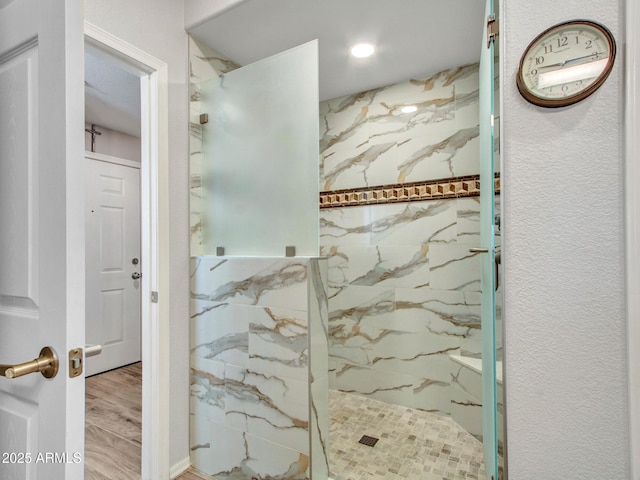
412 444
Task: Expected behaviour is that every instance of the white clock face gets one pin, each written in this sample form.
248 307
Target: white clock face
565 61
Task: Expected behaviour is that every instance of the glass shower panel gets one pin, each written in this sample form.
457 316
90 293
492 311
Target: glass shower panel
487 240
260 150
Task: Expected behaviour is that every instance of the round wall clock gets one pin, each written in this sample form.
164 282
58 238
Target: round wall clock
566 63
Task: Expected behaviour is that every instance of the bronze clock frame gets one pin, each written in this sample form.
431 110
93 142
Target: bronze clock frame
582 94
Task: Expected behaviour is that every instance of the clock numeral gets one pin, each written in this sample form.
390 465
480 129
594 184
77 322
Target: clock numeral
534 72
562 41
577 40
565 88
589 44
548 49
539 60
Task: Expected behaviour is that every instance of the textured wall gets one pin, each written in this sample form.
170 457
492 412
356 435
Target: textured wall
157 27
405 291
564 266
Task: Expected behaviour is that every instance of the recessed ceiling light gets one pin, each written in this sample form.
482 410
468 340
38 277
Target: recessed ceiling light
363 50
409 109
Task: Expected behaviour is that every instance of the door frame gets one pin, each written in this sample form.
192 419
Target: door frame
154 193
632 226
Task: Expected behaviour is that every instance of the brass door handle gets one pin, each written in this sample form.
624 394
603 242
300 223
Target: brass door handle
47 364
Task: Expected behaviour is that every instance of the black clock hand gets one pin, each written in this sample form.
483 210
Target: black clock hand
571 60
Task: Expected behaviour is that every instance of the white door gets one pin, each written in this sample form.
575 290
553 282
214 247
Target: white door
41 235
113 263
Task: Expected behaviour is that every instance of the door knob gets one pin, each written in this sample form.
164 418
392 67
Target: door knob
47 364
136 275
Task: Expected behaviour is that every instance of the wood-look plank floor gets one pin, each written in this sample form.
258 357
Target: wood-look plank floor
193 474
113 427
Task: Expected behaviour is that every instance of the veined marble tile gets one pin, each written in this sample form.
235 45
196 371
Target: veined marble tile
208 391
381 266
366 381
319 426
318 316
468 225
467 109
270 407
279 343
387 122
447 151
430 361
346 128
467 412
345 226
398 388
453 267
206 63
429 82
431 396
220 331
414 223
440 312
393 350
200 442
229 452
272 282
366 165
465 79
355 305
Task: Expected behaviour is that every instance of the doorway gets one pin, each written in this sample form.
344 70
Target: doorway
154 258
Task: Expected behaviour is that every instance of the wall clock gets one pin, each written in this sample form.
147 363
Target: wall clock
566 63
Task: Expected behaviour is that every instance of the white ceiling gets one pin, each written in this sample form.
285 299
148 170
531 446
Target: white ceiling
112 94
414 37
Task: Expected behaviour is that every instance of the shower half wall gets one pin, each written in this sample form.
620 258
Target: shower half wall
259 351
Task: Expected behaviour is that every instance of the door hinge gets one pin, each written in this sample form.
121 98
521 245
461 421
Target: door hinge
204 118
154 297
492 29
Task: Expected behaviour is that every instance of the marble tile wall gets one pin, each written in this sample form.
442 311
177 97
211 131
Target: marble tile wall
404 290
204 64
259 373
466 399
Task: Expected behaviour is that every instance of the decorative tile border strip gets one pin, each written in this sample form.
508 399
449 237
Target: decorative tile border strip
455 187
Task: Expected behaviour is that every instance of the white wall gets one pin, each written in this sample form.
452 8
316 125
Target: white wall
197 11
157 27
114 143
564 265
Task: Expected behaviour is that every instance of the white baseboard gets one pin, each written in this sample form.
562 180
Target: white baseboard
180 467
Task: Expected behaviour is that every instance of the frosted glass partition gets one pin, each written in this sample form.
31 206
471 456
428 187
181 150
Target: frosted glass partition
260 149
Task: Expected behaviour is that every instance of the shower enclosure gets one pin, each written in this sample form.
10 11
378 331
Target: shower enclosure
400 304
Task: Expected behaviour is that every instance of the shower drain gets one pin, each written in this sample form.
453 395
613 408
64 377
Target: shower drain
368 441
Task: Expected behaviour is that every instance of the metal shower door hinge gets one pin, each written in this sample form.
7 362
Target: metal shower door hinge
492 29
154 297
